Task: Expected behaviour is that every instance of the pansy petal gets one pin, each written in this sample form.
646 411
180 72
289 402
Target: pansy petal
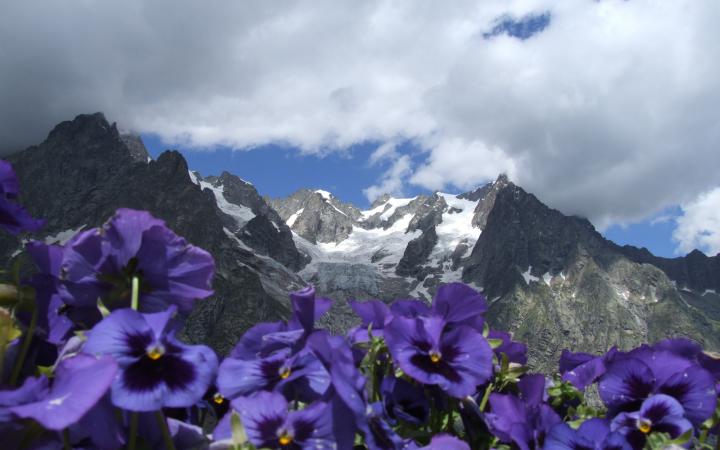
251 342
237 377
657 407
516 352
586 373
471 356
570 360
626 384
159 321
15 219
456 302
694 388
446 442
309 378
371 312
409 308
562 437
185 435
101 426
184 389
303 307
32 389
47 258
262 414
123 334
124 231
505 411
313 423
675 426
596 429
532 388
79 384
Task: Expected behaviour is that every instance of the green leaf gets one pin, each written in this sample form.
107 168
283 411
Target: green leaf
495 343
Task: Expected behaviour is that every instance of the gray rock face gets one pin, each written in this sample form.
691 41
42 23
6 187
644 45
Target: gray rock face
317 218
695 271
557 283
266 233
416 253
485 196
135 146
427 213
84 171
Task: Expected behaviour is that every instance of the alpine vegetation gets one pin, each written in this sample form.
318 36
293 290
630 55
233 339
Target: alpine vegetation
90 358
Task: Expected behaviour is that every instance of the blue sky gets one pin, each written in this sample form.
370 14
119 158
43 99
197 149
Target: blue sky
279 171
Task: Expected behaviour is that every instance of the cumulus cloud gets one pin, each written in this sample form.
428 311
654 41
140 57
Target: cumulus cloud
609 112
391 181
699 225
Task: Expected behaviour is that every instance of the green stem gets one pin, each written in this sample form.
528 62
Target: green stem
66 439
485 398
451 409
134 303
24 349
133 430
162 423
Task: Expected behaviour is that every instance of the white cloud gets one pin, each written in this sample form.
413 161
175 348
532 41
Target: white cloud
611 112
462 164
383 152
391 181
699 225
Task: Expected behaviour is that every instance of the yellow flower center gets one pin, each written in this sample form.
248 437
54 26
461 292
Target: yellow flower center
285 438
285 372
218 398
155 352
644 425
435 356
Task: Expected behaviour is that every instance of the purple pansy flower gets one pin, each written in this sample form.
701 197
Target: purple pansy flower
456 303
299 375
659 413
593 434
269 424
583 369
56 319
79 383
272 356
523 420
266 338
13 217
459 304
307 309
102 263
156 369
351 410
409 308
457 360
632 378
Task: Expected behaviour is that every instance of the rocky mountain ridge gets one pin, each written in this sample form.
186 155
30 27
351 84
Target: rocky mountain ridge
550 278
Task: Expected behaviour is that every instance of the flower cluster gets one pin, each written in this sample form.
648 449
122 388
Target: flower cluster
90 359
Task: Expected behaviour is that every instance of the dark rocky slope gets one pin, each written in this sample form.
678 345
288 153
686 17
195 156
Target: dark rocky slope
84 171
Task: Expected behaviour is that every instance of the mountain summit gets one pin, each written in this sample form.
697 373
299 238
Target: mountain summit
550 278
